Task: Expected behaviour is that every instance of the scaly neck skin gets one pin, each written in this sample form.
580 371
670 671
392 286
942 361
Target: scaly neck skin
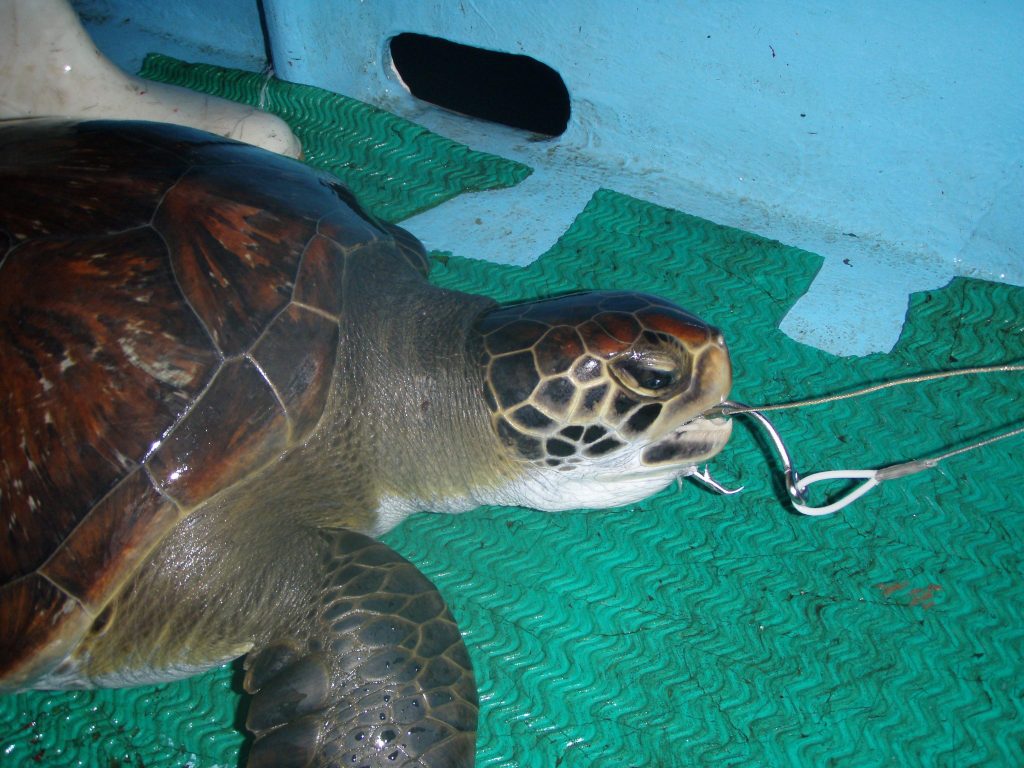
414 389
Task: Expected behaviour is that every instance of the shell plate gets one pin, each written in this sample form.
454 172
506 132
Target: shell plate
172 308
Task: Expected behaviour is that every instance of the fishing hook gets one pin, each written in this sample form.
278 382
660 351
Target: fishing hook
797 486
797 491
706 479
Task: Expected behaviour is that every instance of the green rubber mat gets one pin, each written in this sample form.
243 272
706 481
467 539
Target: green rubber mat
692 629
395 167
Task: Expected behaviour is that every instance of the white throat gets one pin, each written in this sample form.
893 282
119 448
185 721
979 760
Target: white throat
596 486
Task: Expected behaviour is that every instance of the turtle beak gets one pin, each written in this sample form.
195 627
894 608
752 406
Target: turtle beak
694 442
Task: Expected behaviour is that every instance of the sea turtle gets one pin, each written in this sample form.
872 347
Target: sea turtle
221 378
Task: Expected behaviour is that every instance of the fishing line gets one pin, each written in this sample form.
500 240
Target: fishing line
797 486
734 408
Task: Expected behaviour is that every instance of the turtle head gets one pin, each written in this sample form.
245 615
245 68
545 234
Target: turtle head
602 396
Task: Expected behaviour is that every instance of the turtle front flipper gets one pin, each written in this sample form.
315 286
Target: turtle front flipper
378 675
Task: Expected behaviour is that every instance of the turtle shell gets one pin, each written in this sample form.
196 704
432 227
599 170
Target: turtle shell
171 308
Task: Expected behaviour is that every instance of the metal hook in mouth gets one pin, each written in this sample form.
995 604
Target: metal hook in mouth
797 486
792 478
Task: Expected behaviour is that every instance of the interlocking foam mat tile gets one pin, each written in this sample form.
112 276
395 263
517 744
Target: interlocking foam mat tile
693 629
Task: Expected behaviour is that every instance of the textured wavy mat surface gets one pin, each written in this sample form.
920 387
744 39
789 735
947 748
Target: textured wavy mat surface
692 629
396 168
699 630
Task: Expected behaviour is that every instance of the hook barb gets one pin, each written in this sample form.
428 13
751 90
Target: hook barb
706 479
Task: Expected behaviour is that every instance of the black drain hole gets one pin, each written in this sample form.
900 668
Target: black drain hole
504 88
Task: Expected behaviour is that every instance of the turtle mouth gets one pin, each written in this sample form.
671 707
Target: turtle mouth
695 441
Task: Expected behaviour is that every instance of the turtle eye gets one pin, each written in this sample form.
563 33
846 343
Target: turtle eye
648 374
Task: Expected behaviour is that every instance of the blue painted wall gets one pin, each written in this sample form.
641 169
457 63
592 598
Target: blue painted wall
889 137
225 32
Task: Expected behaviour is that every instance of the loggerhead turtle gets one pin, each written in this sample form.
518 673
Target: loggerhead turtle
222 378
